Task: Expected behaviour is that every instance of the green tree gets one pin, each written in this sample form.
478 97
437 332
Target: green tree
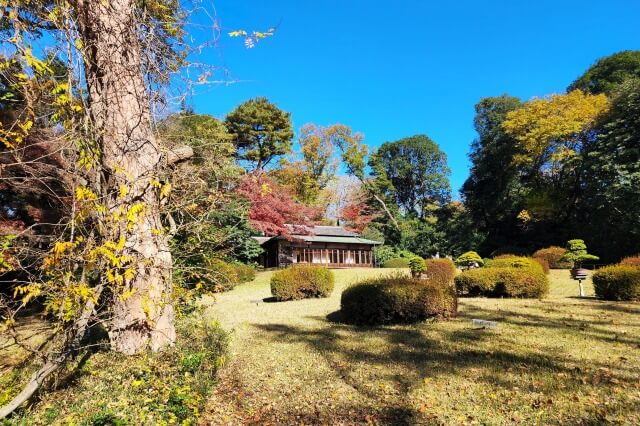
577 253
611 202
309 175
608 73
413 174
494 193
469 259
261 132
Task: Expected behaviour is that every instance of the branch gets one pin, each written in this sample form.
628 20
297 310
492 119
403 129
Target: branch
37 378
179 154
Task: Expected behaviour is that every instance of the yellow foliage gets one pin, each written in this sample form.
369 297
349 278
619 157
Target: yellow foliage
553 124
84 193
165 190
265 189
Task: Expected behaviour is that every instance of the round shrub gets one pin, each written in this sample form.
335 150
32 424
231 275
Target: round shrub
246 273
502 282
398 262
222 275
617 282
553 255
442 271
397 299
301 282
631 260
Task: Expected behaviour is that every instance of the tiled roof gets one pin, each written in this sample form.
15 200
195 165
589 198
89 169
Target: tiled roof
323 234
329 239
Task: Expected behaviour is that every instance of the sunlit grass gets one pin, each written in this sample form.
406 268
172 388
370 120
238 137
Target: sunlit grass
557 360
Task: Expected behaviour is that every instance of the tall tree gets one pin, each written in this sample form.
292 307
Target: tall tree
552 134
610 206
114 239
309 174
129 158
608 73
413 171
261 132
493 193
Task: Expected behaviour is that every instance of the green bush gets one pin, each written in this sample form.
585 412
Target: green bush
398 262
502 282
631 260
442 271
385 253
468 259
302 281
223 276
553 255
506 261
417 266
246 273
617 282
397 299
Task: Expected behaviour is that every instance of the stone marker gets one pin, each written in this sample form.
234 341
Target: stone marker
484 323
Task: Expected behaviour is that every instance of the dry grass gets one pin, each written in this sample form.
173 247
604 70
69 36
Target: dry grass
561 360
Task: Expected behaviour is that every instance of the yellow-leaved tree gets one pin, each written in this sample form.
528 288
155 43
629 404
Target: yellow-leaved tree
551 135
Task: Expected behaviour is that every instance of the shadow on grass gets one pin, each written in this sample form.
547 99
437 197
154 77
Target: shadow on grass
592 326
406 355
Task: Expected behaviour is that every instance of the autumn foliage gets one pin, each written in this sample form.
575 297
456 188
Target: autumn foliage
272 207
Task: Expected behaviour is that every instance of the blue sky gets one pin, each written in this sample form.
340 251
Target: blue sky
395 69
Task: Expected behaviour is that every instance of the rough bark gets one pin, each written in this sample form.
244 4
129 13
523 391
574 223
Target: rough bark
130 157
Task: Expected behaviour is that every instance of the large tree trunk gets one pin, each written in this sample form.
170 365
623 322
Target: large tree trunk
130 159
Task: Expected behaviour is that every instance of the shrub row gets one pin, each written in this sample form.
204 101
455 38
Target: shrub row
502 282
512 261
398 262
618 282
397 299
631 260
302 281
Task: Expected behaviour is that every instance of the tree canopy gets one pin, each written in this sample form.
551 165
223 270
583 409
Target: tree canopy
608 73
413 174
261 132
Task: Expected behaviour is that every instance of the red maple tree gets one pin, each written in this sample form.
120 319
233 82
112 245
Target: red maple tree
272 207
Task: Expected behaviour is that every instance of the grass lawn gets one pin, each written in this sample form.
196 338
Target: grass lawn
561 360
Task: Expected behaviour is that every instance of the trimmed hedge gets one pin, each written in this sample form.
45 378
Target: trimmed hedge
246 273
553 255
442 271
631 260
617 282
543 263
506 261
502 282
397 299
301 282
398 262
